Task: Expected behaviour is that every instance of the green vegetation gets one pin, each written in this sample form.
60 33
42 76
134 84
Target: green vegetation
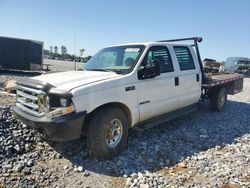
52 53
81 51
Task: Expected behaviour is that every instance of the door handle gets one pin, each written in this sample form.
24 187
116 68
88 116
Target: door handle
176 80
197 77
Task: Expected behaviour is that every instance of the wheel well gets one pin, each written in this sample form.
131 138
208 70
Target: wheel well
122 106
216 89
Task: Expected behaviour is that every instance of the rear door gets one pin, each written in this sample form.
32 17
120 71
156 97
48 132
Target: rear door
157 95
189 77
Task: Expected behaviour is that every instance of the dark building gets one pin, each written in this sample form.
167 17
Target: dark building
20 54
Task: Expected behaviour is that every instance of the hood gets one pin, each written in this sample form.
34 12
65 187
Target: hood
72 79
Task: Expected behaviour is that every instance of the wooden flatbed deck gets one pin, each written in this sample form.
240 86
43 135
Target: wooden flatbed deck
219 79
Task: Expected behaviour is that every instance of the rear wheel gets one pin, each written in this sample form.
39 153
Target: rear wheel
218 99
107 132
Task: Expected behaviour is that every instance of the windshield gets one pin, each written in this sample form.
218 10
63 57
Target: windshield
243 62
119 59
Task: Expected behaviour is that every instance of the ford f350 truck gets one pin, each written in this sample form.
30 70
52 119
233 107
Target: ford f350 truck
137 85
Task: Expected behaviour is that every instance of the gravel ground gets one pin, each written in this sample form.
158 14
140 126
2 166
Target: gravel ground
202 149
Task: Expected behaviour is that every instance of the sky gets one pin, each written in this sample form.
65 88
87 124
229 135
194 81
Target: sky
224 25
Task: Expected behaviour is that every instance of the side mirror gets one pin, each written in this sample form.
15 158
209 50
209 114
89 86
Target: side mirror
149 71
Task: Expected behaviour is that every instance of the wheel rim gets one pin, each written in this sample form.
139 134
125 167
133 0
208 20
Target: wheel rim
114 133
222 100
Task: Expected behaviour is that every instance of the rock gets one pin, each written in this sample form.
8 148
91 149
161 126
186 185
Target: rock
119 163
201 157
26 170
136 181
86 173
203 131
147 173
231 185
182 164
79 168
7 166
24 125
150 160
17 148
161 163
129 181
157 147
207 168
84 154
1 84
27 147
188 137
144 186
18 168
30 162
125 175
133 175
65 167
203 136
140 175
10 86
6 174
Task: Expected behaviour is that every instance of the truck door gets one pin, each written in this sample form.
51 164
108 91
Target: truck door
157 95
189 77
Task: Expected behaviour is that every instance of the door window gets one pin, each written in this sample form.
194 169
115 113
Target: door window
161 54
184 58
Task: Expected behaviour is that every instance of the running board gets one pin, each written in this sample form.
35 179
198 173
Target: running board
165 117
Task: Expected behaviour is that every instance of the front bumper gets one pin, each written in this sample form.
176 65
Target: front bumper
63 128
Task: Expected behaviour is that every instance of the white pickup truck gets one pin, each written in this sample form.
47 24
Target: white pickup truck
132 85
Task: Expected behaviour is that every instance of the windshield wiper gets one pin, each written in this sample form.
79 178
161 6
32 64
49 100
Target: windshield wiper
120 71
117 71
104 70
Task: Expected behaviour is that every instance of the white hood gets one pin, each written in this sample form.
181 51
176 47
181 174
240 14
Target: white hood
72 79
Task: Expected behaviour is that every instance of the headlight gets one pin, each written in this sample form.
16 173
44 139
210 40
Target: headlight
63 102
61 111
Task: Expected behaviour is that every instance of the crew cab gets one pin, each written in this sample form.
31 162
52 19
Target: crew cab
137 85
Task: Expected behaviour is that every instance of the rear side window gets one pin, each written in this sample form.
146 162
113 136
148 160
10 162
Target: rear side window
160 53
184 58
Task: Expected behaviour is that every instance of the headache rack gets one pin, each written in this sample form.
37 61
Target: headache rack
195 40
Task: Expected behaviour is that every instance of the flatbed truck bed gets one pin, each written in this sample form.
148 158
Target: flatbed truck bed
233 84
220 79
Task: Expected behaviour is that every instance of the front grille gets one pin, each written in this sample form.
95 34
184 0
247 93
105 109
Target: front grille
32 101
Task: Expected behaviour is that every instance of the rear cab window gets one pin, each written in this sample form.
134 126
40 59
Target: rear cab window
184 57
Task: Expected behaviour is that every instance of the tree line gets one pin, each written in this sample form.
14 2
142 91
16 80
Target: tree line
53 53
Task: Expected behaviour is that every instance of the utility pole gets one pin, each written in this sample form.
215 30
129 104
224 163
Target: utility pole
75 49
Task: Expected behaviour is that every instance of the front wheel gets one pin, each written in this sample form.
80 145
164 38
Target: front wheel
218 99
107 132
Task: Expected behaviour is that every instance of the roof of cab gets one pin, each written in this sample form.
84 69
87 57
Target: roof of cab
150 43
